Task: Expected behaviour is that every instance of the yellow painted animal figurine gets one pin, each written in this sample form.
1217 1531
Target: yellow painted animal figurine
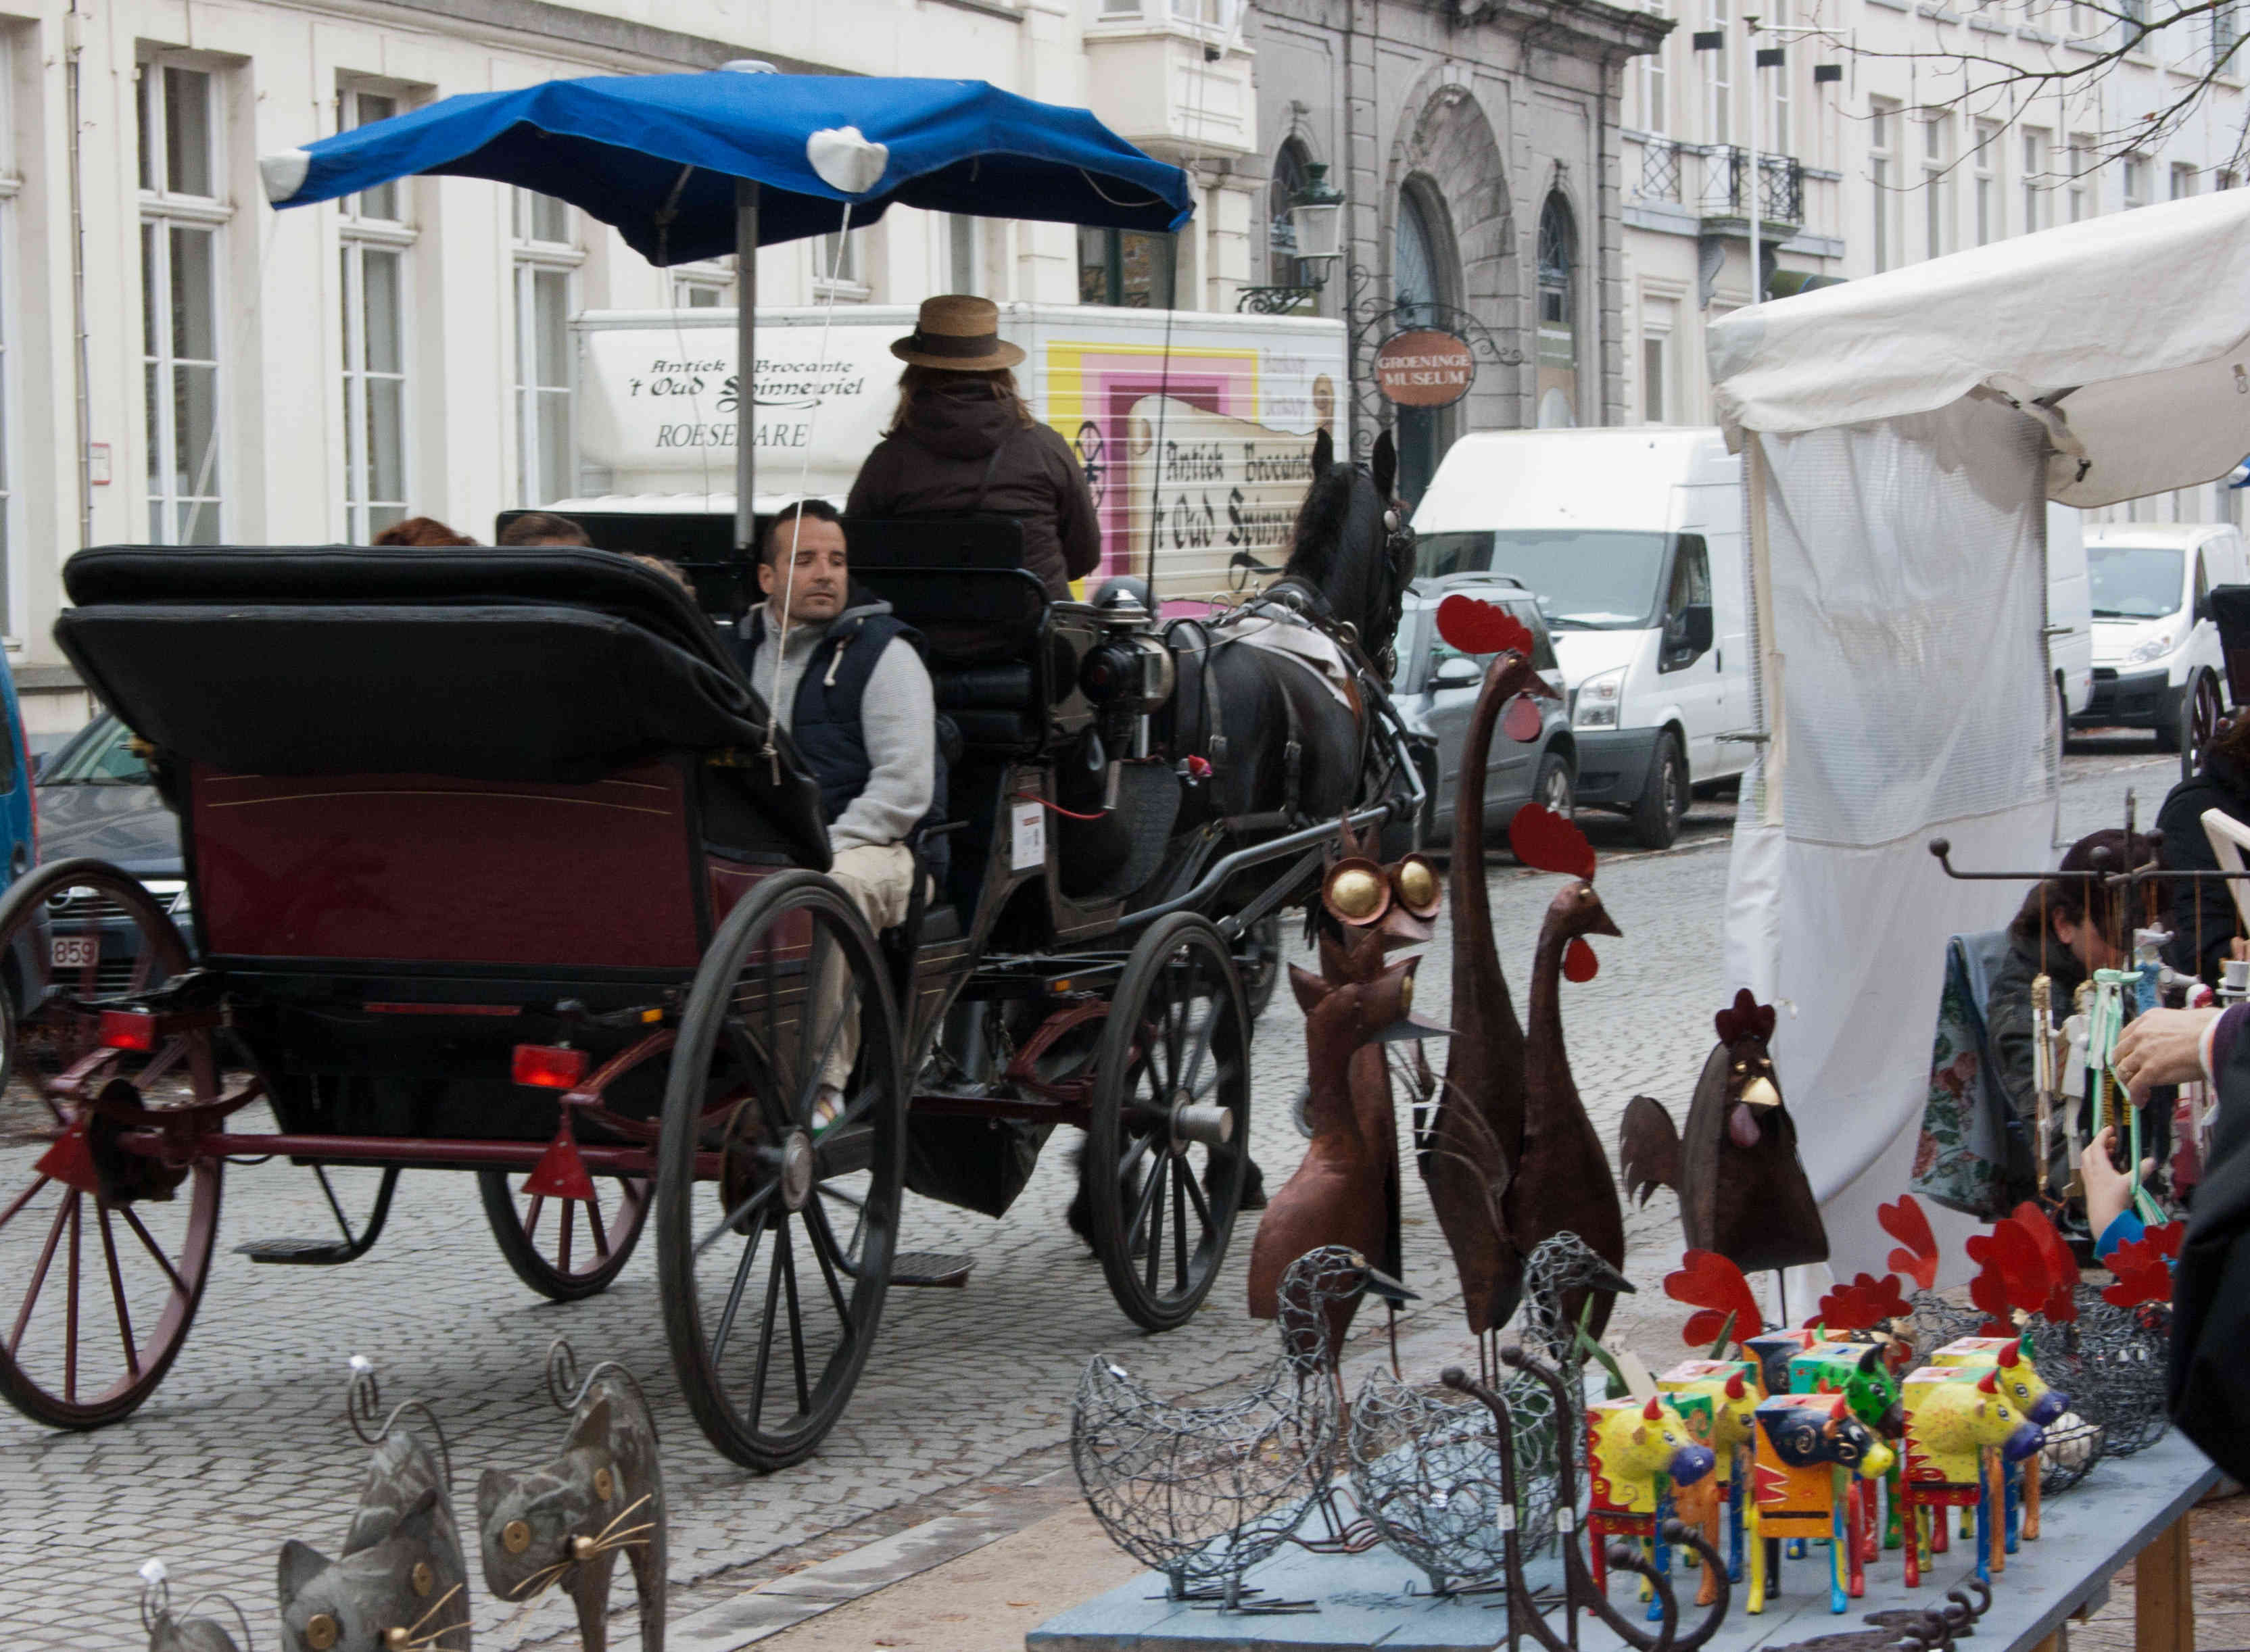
1635 1451
1805 1452
2027 1391
1953 1415
1718 1399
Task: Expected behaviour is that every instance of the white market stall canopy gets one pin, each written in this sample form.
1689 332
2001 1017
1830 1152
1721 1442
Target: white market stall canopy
1902 436
2135 328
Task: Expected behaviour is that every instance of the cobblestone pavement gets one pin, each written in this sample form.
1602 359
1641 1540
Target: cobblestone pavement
245 1444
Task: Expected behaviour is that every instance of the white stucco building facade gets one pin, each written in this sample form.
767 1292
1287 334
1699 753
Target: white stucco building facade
254 376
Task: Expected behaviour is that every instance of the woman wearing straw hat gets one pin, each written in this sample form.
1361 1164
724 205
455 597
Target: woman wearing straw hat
963 441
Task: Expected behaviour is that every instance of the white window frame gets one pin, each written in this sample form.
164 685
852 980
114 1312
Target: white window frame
2037 143
1885 120
2133 171
849 284
2084 182
360 234
1659 342
1656 77
165 210
2183 174
712 279
1719 74
533 259
1991 200
1779 135
1938 227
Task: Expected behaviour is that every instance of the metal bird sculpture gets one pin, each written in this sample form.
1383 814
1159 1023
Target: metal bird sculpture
1203 1493
1469 1153
1561 1181
1742 1188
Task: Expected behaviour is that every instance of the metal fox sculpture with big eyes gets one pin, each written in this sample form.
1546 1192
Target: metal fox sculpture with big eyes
1957 1417
1807 1451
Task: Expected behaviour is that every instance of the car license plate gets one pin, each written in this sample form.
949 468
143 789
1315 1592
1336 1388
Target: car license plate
75 952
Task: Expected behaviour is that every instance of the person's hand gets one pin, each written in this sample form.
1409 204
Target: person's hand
2238 947
2160 1047
2109 1189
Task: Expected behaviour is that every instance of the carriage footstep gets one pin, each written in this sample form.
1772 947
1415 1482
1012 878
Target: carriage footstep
302 1253
934 1270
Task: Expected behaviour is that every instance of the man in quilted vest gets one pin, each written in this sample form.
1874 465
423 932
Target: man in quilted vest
850 686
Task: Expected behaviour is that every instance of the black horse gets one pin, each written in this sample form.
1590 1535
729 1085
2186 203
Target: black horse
1285 750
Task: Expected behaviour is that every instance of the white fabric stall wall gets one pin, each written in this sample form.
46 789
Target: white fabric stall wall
1903 681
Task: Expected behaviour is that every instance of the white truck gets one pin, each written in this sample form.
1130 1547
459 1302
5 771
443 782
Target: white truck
1195 430
1632 539
2157 659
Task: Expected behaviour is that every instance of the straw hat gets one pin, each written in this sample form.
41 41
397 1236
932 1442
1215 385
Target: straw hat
959 333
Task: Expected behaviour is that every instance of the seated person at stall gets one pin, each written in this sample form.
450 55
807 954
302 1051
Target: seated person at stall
849 685
2202 916
543 527
964 440
2066 930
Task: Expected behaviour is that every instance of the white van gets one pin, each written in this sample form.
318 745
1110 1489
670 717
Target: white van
2157 658
2069 612
1632 539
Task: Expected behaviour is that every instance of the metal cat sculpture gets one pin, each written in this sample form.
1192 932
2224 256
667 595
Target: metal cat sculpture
400 1579
1470 1151
564 1522
1743 1189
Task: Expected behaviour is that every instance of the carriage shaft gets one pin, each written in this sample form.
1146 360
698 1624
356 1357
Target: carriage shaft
418 1152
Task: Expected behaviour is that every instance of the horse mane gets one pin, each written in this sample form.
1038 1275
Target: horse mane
1319 534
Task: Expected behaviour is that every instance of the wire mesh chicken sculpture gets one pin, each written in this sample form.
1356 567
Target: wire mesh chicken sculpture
1203 1493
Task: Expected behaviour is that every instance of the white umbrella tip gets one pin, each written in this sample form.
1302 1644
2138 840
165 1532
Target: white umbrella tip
846 159
153 1572
362 1364
748 65
284 174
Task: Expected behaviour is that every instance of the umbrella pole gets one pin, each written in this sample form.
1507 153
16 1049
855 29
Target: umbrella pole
746 339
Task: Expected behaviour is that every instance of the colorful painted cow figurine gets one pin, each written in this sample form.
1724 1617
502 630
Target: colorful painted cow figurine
1636 1451
1953 1415
1807 1450
1718 1400
1773 1349
2027 1391
1857 1370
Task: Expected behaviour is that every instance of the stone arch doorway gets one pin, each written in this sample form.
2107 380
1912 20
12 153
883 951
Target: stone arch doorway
1422 289
1558 405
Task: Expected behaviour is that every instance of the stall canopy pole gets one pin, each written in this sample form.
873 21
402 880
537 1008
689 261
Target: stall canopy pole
746 341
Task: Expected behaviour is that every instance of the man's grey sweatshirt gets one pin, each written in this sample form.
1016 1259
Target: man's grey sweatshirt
897 720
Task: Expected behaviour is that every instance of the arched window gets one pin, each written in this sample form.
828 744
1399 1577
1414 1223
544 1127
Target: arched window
1416 283
1558 314
1281 267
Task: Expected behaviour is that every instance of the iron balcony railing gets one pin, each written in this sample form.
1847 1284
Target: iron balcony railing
1726 186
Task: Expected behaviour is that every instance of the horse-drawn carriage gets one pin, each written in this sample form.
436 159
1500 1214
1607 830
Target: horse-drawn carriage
496 863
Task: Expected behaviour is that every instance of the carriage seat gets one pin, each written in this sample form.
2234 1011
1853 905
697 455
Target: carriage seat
538 663
961 582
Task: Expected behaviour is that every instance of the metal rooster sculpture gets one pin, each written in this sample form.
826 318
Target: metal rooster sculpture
1469 1152
1561 1181
1743 1189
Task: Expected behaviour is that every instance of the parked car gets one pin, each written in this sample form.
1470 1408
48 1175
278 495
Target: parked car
2158 663
96 798
1436 690
2069 612
1632 538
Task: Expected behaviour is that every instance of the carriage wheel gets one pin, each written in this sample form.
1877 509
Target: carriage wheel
772 1273
104 1251
566 1249
1169 1142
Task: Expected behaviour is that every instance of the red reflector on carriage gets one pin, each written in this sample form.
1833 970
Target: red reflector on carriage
128 1029
550 1066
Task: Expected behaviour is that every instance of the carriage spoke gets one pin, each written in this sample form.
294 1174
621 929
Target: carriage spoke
567 1222
826 1253
1153 1259
154 1249
765 1333
796 1320
39 1273
834 1191
161 1064
740 1213
1141 1204
1202 1206
1180 1179
531 1219
20 1200
117 1292
848 1011
70 1306
144 964
735 1293
594 1225
1201 1050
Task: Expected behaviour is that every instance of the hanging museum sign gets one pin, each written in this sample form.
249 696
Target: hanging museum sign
1423 366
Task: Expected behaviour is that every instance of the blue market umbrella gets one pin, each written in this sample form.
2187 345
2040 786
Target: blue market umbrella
693 165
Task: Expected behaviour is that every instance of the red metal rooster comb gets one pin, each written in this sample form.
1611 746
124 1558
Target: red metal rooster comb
1746 1019
1476 627
1905 1222
1546 841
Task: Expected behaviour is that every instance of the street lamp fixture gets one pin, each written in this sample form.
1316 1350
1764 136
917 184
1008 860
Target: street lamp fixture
1316 228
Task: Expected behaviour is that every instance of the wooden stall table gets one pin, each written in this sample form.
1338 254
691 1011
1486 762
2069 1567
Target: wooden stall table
2128 1510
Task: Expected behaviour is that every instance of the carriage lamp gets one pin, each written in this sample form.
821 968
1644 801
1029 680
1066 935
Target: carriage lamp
548 1066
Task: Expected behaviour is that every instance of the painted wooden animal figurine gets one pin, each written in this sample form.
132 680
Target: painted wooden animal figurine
1718 1400
1470 1159
400 1579
1743 1189
1954 1414
564 1522
2020 1381
1636 1450
1807 1452
1773 1349
1561 1181
1337 1195
1859 1372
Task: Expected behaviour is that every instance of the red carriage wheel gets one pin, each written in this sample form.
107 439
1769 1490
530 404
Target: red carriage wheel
104 1244
777 1225
566 1249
